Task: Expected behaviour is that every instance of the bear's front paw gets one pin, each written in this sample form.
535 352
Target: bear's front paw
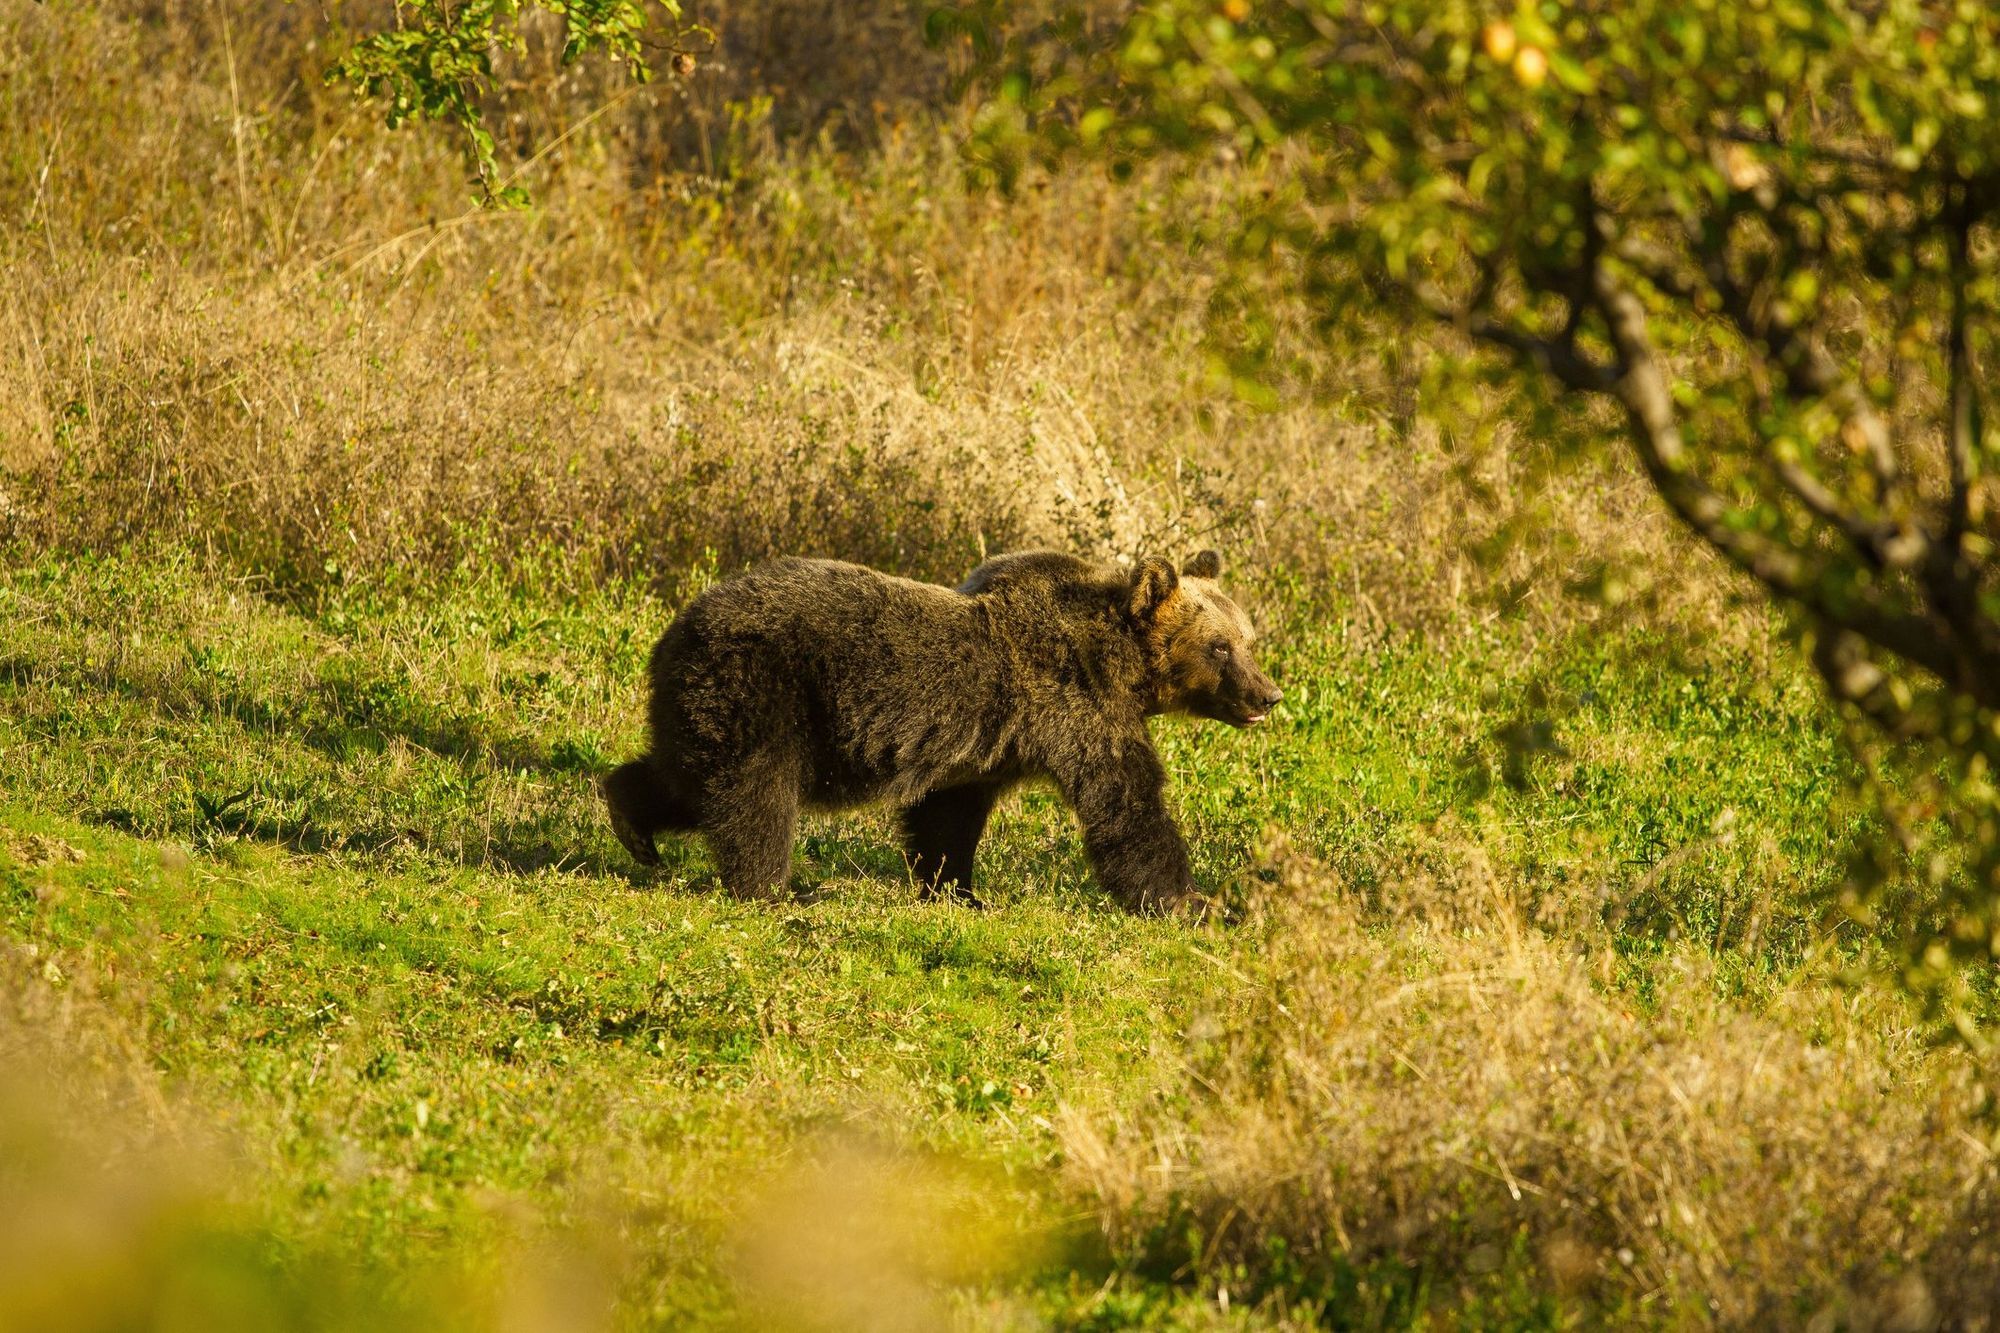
642 848
626 790
950 891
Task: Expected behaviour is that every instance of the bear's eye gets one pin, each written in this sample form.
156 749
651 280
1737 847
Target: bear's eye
1220 648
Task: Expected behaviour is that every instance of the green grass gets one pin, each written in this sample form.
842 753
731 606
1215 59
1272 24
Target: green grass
340 865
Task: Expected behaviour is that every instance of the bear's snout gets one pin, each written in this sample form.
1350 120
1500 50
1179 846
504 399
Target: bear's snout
1243 696
1262 697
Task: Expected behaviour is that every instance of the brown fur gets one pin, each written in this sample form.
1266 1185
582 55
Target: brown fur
812 683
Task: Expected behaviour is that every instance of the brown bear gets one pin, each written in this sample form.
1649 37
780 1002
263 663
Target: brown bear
813 683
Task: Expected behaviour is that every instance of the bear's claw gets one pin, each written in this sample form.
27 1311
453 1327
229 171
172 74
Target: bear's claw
640 845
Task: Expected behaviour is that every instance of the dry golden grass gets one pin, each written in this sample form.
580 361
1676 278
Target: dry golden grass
248 316
1437 1085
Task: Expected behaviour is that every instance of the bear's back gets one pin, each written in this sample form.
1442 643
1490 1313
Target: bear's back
1049 568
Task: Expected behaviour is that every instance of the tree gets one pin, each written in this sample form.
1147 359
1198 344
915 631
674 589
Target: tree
1760 231
436 64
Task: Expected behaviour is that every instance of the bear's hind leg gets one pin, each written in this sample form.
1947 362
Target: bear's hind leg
941 833
749 824
642 807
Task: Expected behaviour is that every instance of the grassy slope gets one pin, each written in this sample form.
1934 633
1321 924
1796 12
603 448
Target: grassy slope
407 964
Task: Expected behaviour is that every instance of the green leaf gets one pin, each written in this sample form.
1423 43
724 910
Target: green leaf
1570 73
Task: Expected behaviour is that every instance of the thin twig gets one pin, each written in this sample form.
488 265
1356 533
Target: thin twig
236 119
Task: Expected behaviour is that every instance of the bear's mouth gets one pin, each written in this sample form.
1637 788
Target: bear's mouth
1229 712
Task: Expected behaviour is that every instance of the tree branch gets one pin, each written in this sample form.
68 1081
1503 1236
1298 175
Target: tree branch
1557 357
1873 540
1655 264
1851 675
1766 138
1641 387
1638 381
1808 372
1953 582
1962 438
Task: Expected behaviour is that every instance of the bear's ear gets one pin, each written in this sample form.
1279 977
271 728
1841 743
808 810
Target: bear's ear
1205 565
1152 584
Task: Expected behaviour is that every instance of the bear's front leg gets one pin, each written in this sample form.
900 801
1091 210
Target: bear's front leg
1119 794
643 804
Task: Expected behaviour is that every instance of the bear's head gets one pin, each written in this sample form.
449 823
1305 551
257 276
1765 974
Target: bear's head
1198 643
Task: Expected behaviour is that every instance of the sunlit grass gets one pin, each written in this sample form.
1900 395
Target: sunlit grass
341 872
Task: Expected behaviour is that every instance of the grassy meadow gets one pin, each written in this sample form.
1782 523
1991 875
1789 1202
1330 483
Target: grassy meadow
337 520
